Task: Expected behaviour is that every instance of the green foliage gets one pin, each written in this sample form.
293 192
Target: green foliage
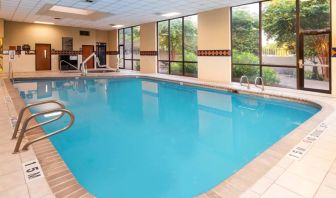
312 75
279 22
190 39
245 32
270 76
244 57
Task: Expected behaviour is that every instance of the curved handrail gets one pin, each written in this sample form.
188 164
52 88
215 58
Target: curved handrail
262 83
25 124
83 64
18 122
67 64
247 80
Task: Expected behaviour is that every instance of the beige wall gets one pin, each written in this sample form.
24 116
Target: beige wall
1 28
148 64
333 60
214 29
214 34
113 46
17 33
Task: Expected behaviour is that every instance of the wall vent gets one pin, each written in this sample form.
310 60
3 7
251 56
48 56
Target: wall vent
84 33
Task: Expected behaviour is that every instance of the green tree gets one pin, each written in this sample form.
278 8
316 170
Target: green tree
245 32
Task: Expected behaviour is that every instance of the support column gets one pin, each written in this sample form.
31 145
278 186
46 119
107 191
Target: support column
214 45
148 48
112 49
333 45
2 35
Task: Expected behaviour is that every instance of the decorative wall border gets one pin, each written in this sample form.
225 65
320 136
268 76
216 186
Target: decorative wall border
148 53
333 52
214 52
66 52
112 52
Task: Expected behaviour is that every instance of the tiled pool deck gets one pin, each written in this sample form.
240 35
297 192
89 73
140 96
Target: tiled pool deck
272 174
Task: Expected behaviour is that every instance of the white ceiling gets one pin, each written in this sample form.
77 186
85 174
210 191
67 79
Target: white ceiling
125 12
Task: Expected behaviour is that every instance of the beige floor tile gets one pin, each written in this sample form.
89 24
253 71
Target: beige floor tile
10 166
322 153
325 192
262 185
249 194
7 156
11 180
275 172
276 191
20 191
38 188
285 162
317 162
306 171
297 184
333 168
51 195
7 147
330 180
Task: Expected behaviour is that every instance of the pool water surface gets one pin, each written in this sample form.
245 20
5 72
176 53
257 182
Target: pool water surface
147 138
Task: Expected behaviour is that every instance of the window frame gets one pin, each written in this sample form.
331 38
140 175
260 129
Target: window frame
169 47
299 72
132 59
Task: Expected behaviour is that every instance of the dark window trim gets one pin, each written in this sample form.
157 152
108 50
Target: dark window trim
299 47
169 61
132 46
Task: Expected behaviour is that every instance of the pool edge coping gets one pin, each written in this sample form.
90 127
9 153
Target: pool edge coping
240 181
57 174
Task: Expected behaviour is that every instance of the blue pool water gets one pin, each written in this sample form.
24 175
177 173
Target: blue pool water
145 138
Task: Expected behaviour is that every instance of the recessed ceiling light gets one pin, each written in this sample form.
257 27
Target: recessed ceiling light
170 14
44 22
117 26
70 10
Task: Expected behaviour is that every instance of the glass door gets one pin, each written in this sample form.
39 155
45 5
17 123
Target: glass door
315 61
121 57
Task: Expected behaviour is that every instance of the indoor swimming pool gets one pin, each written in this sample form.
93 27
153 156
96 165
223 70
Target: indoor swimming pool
140 137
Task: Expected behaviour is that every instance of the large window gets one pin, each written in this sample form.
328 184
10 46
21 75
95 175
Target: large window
177 46
284 41
129 48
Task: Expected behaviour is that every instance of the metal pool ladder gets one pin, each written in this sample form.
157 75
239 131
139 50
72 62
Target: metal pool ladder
262 83
247 80
60 109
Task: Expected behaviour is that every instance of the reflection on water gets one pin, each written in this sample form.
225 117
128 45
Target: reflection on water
160 139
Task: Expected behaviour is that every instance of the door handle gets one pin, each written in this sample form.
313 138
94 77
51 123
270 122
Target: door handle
45 54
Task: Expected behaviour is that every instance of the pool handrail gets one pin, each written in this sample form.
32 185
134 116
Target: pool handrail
247 80
23 110
262 83
64 61
26 122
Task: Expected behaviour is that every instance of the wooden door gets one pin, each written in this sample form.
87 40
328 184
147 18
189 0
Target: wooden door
87 50
42 57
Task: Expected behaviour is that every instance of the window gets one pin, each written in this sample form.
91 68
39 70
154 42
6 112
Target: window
270 38
129 48
177 46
